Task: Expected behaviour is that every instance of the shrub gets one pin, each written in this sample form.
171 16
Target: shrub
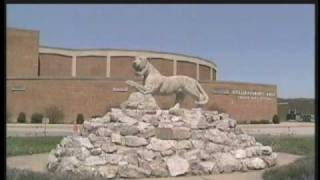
54 114
80 119
275 119
36 118
22 117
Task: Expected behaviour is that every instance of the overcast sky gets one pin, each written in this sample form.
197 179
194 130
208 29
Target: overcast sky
272 44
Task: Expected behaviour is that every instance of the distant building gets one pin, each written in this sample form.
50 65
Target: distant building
90 81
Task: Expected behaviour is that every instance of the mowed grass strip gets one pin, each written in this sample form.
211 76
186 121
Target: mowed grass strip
18 174
30 145
301 169
300 145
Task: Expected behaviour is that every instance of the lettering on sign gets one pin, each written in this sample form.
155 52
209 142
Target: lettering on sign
255 98
246 94
123 89
18 88
220 91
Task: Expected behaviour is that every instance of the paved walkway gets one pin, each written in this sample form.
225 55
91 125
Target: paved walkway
38 162
285 128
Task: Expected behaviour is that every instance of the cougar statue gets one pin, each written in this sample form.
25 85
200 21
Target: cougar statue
156 84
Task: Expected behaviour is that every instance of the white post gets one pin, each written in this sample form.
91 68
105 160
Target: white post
174 67
74 66
108 67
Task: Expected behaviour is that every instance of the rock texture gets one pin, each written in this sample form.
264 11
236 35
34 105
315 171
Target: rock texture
137 100
159 143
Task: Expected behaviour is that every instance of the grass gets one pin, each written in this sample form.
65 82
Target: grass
17 174
301 169
303 145
30 145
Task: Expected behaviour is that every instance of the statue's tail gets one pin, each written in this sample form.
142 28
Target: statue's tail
203 96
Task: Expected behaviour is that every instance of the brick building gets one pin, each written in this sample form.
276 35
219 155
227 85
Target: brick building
91 81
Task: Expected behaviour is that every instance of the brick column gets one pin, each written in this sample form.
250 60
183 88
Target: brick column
74 66
108 67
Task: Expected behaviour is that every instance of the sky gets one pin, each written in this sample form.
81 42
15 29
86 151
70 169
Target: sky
269 44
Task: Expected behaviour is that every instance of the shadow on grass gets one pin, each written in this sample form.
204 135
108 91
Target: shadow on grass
301 169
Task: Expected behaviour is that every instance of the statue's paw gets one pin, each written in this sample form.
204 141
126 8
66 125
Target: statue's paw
176 111
129 82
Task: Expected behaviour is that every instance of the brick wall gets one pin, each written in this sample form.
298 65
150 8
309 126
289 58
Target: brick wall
92 97
204 72
54 65
22 53
121 67
243 109
91 66
187 69
165 66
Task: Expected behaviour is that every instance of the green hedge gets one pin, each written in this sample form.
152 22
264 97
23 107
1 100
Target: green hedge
80 119
36 118
22 117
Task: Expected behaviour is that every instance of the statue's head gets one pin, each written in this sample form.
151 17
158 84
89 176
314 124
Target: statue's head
140 65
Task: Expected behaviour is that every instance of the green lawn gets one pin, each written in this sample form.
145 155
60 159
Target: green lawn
17 174
302 169
30 145
302 145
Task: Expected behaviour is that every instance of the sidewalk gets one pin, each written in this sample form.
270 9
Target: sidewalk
286 128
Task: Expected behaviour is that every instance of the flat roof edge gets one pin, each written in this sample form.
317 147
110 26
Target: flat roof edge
20 29
131 50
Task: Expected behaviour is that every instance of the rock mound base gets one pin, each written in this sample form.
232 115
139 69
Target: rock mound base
159 143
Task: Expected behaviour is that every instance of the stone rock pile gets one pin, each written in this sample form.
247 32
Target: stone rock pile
160 143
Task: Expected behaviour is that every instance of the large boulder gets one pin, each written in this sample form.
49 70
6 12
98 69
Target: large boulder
132 171
134 141
177 165
227 163
161 145
108 171
175 133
